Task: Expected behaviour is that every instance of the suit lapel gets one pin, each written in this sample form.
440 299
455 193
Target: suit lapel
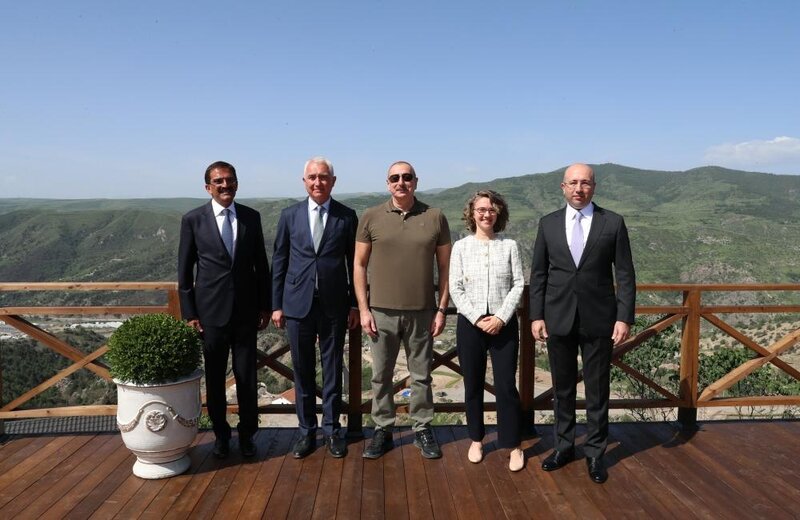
598 223
241 230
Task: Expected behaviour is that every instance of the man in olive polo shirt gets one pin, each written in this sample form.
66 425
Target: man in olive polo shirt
398 241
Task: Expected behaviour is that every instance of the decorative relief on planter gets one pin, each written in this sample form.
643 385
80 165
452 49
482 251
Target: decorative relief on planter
156 420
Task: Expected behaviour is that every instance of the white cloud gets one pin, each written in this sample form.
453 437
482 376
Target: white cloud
777 152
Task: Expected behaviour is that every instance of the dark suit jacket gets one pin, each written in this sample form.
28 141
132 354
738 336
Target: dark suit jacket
295 264
558 288
210 284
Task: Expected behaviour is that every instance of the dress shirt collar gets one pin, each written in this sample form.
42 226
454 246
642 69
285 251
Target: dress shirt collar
587 212
217 208
313 205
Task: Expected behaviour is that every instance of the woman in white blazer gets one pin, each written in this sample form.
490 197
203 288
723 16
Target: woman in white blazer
486 283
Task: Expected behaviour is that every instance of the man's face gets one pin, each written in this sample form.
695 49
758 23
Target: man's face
578 186
319 182
402 182
222 187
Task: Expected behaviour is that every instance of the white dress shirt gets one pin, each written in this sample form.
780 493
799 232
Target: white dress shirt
218 208
586 223
486 278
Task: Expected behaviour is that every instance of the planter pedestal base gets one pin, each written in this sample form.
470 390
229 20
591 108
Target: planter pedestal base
150 470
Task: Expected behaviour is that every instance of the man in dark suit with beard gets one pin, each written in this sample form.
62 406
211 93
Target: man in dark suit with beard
313 297
579 252
224 287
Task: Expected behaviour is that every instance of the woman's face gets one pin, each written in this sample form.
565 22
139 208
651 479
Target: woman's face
485 215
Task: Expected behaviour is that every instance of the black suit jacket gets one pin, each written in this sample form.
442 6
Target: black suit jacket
295 264
209 284
558 288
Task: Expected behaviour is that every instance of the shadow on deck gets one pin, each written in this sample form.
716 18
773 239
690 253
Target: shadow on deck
724 470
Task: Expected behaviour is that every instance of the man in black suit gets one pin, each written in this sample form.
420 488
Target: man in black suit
224 287
579 252
312 296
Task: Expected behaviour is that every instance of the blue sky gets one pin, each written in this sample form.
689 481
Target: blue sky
134 99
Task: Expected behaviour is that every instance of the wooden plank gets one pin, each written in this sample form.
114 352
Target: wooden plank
644 490
280 499
349 503
478 477
106 310
419 500
105 489
278 447
33 392
373 502
457 482
18 478
87 286
502 479
161 503
17 449
330 483
53 485
395 479
438 489
199 481
307 485
242 485
746 368
547 501
754 479
62 411
142 498
53 343
98 473
214 492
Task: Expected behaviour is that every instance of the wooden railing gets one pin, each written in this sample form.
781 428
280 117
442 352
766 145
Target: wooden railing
687 314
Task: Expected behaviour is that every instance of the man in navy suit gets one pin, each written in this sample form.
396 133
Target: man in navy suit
580 251
224 287
313 297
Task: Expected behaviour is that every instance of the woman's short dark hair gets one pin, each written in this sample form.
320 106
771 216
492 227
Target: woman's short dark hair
498 203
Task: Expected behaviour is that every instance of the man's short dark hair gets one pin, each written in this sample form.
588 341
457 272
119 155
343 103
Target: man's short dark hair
222 165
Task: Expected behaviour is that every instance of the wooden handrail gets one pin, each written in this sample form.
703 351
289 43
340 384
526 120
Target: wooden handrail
689 313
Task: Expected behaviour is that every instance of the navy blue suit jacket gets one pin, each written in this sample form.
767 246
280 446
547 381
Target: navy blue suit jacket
559 288
209 284
295 264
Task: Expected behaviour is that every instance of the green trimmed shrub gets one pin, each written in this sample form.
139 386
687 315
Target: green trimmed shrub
153 349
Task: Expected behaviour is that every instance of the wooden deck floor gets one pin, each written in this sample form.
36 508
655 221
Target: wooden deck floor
725 470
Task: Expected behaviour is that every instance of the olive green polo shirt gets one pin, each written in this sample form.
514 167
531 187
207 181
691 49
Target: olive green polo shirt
401 261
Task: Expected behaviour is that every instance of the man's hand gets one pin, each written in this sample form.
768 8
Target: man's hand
368 324
277 319
353 319
195 324
621 332
539 330
437 325
263 320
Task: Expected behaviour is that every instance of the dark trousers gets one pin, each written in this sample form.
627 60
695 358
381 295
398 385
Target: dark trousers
596 354
303 334
473 345
238 338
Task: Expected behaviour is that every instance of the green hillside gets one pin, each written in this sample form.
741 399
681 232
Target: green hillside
703 225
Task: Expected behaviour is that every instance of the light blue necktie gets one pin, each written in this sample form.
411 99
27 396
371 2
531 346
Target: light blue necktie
576 246
227 231
319 227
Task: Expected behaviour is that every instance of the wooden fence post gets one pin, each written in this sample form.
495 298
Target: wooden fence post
527 366
354 415
690 351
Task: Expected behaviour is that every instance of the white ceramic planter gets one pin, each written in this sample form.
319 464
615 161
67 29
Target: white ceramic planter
159 423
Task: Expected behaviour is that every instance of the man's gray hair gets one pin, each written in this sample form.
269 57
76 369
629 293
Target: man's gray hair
319 160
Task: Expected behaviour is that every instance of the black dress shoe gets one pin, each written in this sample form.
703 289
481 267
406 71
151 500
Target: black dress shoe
558 459
247 446
337 446
221 448
597 469
304 446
